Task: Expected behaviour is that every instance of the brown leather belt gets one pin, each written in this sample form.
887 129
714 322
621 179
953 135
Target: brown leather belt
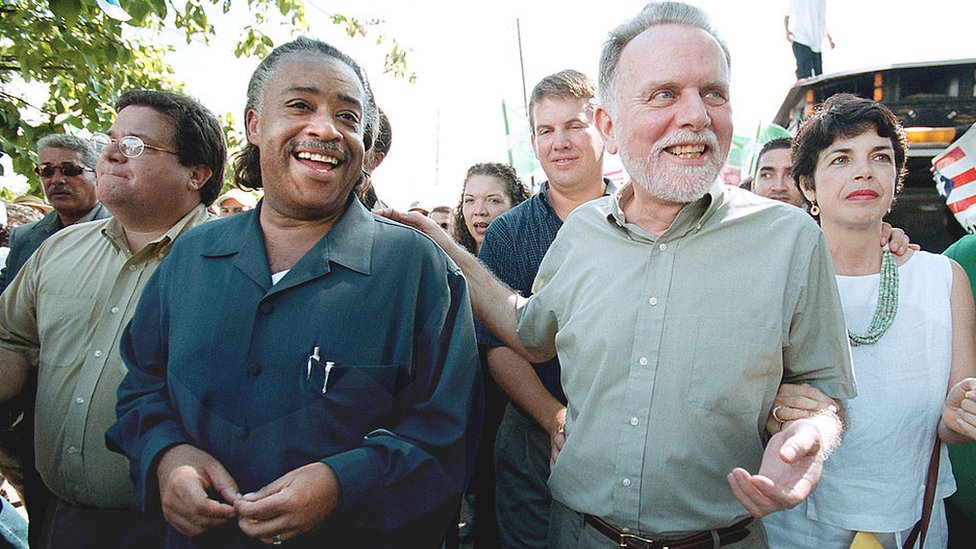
702 540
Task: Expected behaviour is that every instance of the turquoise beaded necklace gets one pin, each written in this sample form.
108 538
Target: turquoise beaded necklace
884 313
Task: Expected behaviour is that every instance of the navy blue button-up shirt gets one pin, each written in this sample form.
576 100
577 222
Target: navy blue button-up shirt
514 246
363 357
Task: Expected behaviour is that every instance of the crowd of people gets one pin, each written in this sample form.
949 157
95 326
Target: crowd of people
669 363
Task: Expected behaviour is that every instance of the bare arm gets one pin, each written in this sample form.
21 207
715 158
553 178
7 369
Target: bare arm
959 411
786 25
13 374
493 302
516 377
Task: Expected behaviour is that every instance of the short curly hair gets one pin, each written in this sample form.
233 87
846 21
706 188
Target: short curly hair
844 115
514 188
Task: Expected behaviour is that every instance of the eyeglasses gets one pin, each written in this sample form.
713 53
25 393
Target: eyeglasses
68 169
130 146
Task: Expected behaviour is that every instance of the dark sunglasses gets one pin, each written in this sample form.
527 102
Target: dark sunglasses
68 169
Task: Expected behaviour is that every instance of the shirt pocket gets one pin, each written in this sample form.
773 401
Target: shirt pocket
737 367
63 322
356 395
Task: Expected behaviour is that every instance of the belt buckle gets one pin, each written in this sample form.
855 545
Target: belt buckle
641 543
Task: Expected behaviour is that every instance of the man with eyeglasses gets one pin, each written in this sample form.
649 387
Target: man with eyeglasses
66 166
62 317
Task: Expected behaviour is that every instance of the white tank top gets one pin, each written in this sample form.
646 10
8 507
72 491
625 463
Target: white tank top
875 480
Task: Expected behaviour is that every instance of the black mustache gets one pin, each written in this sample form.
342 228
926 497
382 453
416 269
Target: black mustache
321 146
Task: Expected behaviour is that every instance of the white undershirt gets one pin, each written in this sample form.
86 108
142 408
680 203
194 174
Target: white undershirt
276 277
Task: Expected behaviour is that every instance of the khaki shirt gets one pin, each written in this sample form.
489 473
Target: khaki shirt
672 348
65 312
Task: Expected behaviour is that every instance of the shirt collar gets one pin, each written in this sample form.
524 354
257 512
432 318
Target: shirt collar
350 241
115 233
692 217
609 187
90 216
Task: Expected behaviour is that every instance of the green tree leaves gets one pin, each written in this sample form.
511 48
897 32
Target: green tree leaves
80 59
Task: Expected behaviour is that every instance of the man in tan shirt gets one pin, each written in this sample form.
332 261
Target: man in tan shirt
161 164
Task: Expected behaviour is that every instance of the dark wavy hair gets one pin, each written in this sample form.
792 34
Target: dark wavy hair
247 162
199 137
844 115
514 188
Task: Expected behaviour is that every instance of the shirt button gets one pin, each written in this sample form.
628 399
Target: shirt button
253 369
98 353
114 310
652 301
266 308
634 421
72 450
243 433
79 400
132 268
663 247
642 361
626 482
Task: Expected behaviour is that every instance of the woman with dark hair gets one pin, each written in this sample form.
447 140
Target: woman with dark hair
910 324
490 189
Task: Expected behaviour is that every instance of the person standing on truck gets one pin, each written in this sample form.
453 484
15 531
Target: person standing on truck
809 30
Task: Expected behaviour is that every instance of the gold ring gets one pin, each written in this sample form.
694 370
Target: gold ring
276 540
776 415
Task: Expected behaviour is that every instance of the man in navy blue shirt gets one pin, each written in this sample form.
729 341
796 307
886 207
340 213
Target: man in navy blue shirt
570 151
305 372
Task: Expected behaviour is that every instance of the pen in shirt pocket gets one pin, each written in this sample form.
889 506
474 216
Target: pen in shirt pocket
314 364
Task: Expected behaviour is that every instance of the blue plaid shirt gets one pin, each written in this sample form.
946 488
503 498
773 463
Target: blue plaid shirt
514 246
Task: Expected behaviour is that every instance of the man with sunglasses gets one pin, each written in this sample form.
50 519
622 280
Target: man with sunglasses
61 317
66 166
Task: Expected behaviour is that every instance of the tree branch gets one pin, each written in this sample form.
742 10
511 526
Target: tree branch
24 102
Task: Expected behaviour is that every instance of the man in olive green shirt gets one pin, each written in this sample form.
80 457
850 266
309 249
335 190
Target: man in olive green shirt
677 307
161 164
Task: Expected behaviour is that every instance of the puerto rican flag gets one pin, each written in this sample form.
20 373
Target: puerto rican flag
955 178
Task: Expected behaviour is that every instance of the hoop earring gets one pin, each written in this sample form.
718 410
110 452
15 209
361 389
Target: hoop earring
814 209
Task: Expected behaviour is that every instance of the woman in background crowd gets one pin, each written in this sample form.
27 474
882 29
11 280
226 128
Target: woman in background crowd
490 189
910 324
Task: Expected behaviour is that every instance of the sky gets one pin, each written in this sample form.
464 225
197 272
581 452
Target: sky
465 55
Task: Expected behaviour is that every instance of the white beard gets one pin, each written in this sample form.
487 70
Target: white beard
669 182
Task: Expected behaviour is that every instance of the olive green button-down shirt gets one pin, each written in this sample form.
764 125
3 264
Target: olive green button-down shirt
672 348
65 312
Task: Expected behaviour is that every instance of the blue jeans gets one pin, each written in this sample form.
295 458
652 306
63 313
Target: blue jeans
13 527
522 496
